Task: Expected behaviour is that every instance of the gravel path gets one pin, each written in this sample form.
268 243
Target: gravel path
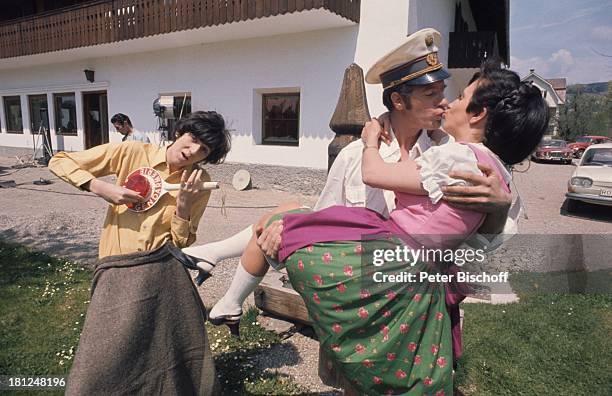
64 221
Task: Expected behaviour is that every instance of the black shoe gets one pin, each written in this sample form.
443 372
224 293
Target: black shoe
191 262
231 321
202 274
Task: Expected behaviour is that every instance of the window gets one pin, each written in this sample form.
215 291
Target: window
281 115
65 114
38 112
12 112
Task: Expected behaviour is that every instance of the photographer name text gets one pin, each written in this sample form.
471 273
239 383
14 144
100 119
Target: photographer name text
423 276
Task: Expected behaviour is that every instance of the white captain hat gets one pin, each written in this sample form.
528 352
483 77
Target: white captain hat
414 63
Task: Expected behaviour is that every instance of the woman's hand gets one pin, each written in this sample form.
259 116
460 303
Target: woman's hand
371 133
385 120
190 191
112 193
269 239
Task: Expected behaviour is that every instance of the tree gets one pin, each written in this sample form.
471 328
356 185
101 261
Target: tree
586 114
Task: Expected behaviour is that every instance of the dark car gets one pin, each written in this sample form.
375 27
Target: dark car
554 150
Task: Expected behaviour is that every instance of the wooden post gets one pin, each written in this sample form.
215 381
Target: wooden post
351 112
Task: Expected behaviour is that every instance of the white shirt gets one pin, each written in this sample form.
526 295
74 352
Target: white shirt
136 135
436 164
345 187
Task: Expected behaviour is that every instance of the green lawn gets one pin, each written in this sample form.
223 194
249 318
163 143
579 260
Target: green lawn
234 359
42 306
548 344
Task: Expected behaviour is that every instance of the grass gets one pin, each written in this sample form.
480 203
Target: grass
43 302
235 359
549 343
42 306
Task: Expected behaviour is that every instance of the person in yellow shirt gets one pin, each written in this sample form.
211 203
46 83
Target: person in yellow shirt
200 138
144 329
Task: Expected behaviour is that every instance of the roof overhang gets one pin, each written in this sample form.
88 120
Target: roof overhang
297 22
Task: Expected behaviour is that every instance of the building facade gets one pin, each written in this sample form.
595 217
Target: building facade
554 91
273 68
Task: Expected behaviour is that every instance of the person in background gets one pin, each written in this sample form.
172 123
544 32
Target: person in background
123 125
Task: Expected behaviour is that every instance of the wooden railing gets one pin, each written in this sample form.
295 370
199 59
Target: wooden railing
469 49
108 21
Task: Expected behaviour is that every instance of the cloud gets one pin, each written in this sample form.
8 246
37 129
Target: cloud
575 15
562 64
603 33
522 66
558 62
563 59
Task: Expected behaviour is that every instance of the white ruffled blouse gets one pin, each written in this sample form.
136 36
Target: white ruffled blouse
436 163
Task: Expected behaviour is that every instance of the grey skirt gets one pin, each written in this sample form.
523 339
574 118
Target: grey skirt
144 330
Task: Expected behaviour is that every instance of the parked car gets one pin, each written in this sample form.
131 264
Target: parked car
553 150
583 142
592 180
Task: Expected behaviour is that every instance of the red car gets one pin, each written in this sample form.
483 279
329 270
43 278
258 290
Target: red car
583 142
553 150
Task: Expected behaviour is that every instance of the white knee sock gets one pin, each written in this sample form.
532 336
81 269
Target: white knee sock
242 285
216 251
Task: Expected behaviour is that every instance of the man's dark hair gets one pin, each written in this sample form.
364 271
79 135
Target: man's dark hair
122 119
517 114
404 90
209 128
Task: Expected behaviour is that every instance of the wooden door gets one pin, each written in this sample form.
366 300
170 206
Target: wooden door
95 116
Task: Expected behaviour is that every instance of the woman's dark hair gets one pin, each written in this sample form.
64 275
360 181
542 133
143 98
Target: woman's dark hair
209 128
122 119
404 90
517 114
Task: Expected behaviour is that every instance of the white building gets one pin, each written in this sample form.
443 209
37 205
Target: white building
554 91
273 68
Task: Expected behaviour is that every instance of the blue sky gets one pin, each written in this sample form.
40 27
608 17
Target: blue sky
562 38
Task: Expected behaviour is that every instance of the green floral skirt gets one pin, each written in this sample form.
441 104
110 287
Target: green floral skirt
385 338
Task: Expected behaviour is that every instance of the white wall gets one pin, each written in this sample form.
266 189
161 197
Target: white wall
222 76
440 15
383 27
228 76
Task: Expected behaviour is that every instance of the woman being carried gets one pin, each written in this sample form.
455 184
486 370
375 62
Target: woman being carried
395 337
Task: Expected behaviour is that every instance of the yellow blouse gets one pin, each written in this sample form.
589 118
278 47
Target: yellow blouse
126 231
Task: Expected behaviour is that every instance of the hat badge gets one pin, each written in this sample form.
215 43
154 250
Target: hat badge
432 59
429 40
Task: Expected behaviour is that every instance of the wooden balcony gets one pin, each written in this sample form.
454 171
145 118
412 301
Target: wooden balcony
469 49
107 21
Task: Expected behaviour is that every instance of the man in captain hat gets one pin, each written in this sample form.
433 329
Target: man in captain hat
413 81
